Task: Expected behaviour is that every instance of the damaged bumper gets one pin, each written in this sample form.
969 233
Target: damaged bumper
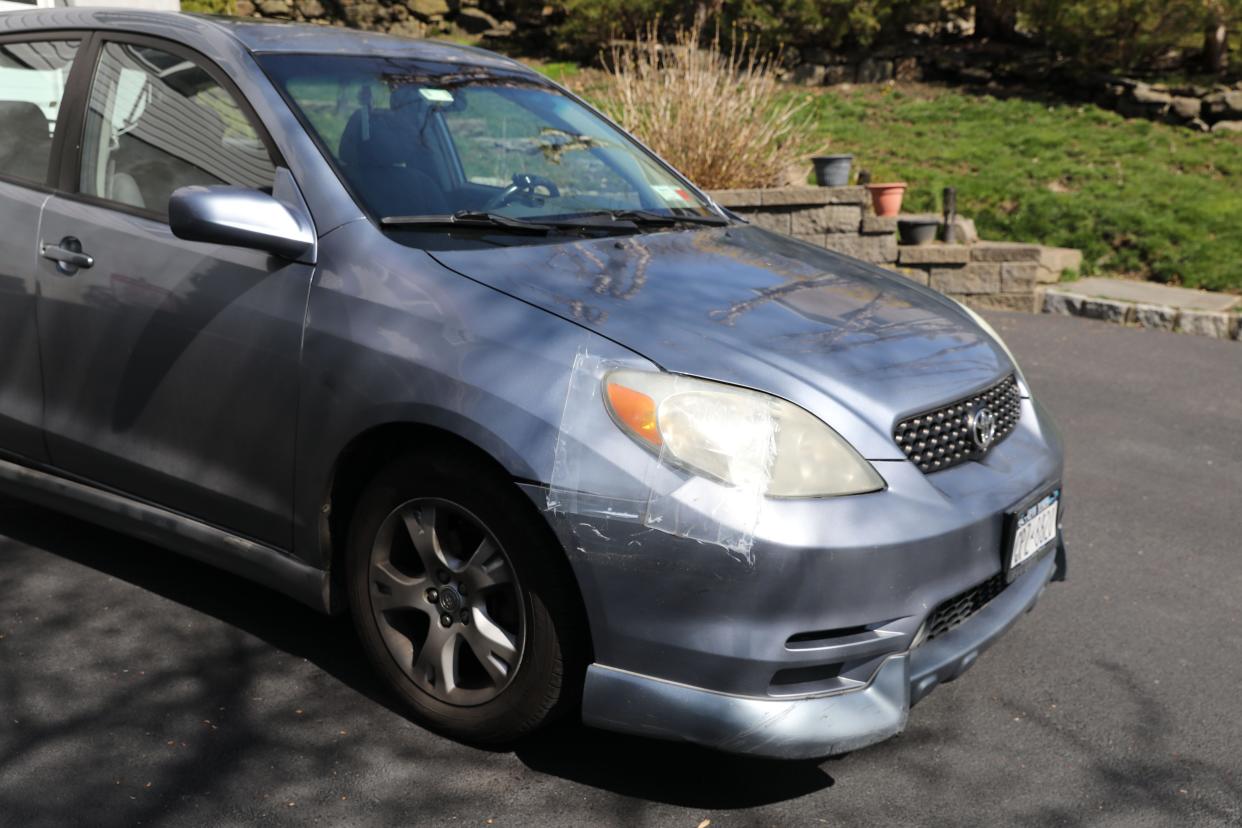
790 627
813 726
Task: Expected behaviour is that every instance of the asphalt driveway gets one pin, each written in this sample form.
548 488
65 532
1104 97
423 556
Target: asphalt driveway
140 688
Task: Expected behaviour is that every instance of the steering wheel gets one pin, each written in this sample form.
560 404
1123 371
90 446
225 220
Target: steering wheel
523 189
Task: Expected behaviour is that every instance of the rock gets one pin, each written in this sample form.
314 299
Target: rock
992 251
362 15
737 198
428 9
778 221
879 225
1060 259
872 70
243 8
1155 317
475 21
1199 125
505 29
1206 323
876 249
915 275
907 69
1018 277
1062 302
964 231
1186 108
828 219
838 74
808 74
310 9
410 27
971 278
1110 310
1143 101
1227 126
275 8
1224 106
1025 302
934 254
975 74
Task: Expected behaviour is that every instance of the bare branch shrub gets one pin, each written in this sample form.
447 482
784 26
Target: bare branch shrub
719 116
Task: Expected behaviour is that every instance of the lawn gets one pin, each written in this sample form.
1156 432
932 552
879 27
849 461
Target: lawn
1138 198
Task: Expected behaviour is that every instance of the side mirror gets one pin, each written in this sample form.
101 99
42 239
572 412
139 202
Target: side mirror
242 217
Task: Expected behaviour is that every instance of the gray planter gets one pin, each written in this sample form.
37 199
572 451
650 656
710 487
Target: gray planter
917 231
832 170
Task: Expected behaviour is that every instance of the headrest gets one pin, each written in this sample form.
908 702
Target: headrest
378 138
20 122
25 141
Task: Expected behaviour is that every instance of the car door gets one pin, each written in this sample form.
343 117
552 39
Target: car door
33 75
170 367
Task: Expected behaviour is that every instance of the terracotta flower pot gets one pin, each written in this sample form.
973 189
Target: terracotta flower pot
886 198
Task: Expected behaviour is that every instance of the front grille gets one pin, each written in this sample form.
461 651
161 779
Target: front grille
961 607
941 438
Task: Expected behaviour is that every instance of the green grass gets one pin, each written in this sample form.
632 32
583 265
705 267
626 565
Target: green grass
558 71
1138 198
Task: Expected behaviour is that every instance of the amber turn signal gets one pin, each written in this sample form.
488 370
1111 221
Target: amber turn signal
636 411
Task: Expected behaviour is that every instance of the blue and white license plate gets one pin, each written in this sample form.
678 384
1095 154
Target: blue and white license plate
1035 529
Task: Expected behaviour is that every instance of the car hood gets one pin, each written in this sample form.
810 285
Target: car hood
753 308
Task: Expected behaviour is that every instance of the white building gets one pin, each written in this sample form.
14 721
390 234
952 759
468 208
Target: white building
152 5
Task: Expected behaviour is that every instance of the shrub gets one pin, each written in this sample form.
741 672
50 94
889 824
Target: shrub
582 27
209 6
720 116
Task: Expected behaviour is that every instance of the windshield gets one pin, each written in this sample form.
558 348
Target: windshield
415 138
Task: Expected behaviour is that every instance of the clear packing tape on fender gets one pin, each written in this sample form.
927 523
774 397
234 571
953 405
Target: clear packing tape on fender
602 477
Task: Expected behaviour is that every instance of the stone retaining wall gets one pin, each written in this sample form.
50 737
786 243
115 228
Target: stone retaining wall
999 275
1215 107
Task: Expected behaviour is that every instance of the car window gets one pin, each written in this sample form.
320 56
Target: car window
156 122
32 85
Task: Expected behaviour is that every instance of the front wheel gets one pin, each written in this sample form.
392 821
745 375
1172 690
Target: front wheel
461 601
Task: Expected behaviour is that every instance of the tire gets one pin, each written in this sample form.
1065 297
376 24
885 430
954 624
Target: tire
458 679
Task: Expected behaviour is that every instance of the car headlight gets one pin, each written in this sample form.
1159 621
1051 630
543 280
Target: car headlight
739 437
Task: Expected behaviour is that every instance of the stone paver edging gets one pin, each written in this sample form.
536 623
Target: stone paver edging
1216 324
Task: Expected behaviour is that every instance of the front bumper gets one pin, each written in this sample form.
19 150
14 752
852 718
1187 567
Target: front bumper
814 726
813 619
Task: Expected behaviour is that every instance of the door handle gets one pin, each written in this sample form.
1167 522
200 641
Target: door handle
68 255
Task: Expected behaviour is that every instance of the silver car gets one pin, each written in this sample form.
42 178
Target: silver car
402 329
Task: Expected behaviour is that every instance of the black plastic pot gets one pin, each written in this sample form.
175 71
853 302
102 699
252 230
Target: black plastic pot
832 170
917 231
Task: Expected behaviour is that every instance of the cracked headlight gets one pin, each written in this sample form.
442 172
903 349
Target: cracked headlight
739 437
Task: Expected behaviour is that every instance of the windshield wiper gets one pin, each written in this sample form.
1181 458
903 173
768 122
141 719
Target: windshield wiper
469 218
650 217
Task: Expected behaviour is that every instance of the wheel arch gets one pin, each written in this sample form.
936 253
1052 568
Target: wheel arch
372 449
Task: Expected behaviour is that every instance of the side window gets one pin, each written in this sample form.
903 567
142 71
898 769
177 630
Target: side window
32 84
156 122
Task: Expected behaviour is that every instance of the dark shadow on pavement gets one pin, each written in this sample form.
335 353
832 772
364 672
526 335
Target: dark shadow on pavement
645 769
668 772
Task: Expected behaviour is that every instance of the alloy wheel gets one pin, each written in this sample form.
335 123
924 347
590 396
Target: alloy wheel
446 601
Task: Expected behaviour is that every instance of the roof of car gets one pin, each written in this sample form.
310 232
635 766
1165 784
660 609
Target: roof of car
258 36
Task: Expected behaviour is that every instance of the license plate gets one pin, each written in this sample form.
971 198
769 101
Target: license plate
1035 529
